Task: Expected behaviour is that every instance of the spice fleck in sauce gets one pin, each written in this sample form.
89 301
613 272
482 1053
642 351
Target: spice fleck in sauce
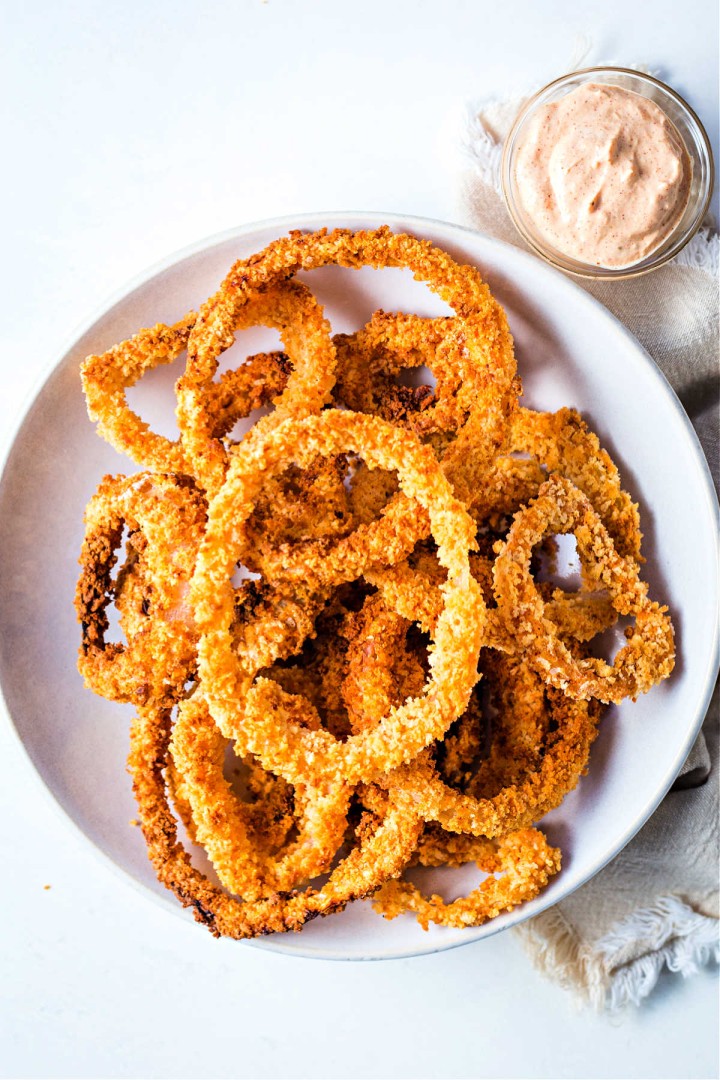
603 174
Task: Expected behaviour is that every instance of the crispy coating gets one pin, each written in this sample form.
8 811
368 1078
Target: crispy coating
379 672
511 483
165 516
563 442
483 345
223 824
281 744
239 391
301 507
370 491
649 655
525 861
288 306
398 680
370 360
539 776
412 587
379 854
106 377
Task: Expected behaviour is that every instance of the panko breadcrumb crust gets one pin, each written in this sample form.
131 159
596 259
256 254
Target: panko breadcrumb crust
397 680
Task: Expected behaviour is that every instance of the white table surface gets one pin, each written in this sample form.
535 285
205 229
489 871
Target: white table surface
130 130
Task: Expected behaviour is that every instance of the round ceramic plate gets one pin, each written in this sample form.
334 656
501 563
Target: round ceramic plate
570 352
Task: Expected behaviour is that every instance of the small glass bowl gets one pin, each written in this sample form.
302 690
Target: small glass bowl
688 126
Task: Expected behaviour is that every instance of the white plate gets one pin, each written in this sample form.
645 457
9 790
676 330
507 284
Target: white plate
570 352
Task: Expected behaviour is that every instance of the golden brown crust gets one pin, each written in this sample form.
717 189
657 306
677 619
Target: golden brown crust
291 308
386 545
106 377
285 746
524 859
650 652
165 516
379 855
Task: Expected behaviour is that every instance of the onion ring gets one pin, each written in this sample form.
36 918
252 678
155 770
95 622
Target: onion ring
288 306
524 856
107 376
525 860
649 655
166 516
518 804
563 442
411 588
380 854
369 360
286 748
486 341
223 824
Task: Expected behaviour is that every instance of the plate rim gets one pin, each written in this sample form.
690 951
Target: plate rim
339 219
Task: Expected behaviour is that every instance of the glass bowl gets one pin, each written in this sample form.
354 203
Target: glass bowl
691 132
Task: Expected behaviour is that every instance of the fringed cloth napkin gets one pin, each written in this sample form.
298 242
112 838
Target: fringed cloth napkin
657 904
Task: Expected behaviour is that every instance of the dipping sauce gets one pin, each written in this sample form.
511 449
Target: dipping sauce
603 174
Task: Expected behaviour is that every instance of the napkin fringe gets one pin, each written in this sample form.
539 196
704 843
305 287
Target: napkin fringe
556 951
676 937
702 252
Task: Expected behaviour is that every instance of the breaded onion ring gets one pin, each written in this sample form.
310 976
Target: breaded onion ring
378 674
369 360
106 377
524 859
483 337
383 849
291 308
223 824
649 655
411 588
166 517
564 443
529 796
280 744
299 508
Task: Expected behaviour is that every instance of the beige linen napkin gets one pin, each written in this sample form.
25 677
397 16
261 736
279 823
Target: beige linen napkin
656 904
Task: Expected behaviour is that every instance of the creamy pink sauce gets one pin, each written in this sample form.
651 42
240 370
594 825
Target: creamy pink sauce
603 175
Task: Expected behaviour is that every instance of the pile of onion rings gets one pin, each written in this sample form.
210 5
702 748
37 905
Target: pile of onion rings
395 680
